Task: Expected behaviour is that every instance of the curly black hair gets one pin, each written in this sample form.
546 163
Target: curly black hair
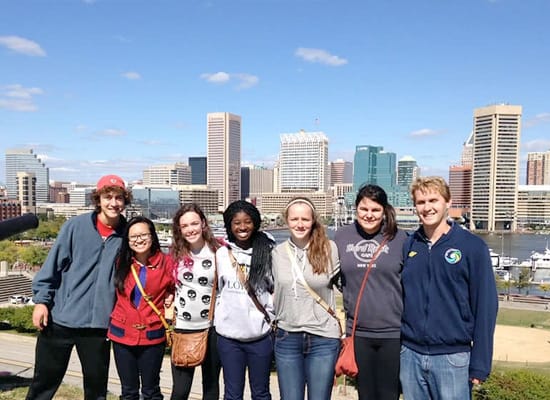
260 276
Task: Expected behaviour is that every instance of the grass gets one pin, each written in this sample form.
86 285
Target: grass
523 318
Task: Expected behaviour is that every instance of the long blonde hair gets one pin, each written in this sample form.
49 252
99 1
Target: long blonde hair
319 250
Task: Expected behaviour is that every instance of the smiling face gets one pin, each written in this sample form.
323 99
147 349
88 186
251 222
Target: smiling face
139 240
300 222
432 209
111 205
370 215
191 227
242 227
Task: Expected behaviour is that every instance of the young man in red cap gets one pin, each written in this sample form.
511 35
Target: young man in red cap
74 295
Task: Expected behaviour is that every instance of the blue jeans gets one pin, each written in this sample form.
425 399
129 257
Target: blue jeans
438 377
305 359
135 363
236 356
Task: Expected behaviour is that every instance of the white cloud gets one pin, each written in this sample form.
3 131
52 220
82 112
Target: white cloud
242 80
218 77
19 98
111 132
246 80
131 75
425 132
319 56
538 119
536 145
22 45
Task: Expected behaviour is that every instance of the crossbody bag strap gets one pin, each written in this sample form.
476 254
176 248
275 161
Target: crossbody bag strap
214 288
147 298
249 289
312 292
363 284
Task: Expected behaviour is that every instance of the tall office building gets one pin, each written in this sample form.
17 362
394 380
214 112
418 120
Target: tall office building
538 168
407 171
26 191
495 172
198 170
223 147
303 162
467 157
255 180
341 172
373 165
24 160
167 175
460 184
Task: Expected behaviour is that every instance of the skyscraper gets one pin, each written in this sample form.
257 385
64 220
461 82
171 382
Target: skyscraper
167 175
407 171
303 162
373 165
467 157
24 160
26 191
538 168
223 147
495 172
341 172
198 170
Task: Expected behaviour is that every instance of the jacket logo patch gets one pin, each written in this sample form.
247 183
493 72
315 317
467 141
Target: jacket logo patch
412 253
453 256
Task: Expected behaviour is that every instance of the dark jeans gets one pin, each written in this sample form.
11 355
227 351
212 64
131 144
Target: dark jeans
182 377
378 363
135 362
236 356
52 355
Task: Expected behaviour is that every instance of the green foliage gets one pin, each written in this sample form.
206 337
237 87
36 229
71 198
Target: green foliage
523 279
19 318
33 255
519 384
8 251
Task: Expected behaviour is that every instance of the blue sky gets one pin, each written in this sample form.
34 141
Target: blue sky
111 86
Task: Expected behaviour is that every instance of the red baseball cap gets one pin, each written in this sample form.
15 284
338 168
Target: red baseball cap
110 180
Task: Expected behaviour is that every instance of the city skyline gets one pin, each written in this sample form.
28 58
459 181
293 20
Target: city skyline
97 87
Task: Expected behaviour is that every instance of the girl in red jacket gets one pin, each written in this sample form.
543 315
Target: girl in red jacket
136 331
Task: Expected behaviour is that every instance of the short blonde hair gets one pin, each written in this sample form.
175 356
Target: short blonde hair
431 184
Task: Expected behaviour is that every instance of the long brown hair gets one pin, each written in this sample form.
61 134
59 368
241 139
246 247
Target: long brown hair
180 247
319 250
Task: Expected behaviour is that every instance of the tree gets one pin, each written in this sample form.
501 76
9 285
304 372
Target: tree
545 287
33 255
523 279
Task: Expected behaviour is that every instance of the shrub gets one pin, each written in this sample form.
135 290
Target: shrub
18 318
514 385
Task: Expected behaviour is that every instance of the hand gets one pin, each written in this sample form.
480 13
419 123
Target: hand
40 316
476 382
168 300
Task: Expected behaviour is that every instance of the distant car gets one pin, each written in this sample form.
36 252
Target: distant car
28 301
17 299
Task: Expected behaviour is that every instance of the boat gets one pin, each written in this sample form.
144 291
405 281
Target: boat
500 262
540 265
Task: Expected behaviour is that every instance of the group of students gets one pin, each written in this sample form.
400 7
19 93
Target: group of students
424 323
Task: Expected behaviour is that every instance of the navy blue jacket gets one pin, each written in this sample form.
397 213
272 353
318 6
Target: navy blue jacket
450 298
76 281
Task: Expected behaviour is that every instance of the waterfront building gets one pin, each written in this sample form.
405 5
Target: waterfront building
371 164
460 184
202 195
533 209
407 171
198 170
58 192
223 147
9 208
303 162
81 196
538 168
167 175
24 160
255 181
26 191
341 172
467 157
275 203
495 171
